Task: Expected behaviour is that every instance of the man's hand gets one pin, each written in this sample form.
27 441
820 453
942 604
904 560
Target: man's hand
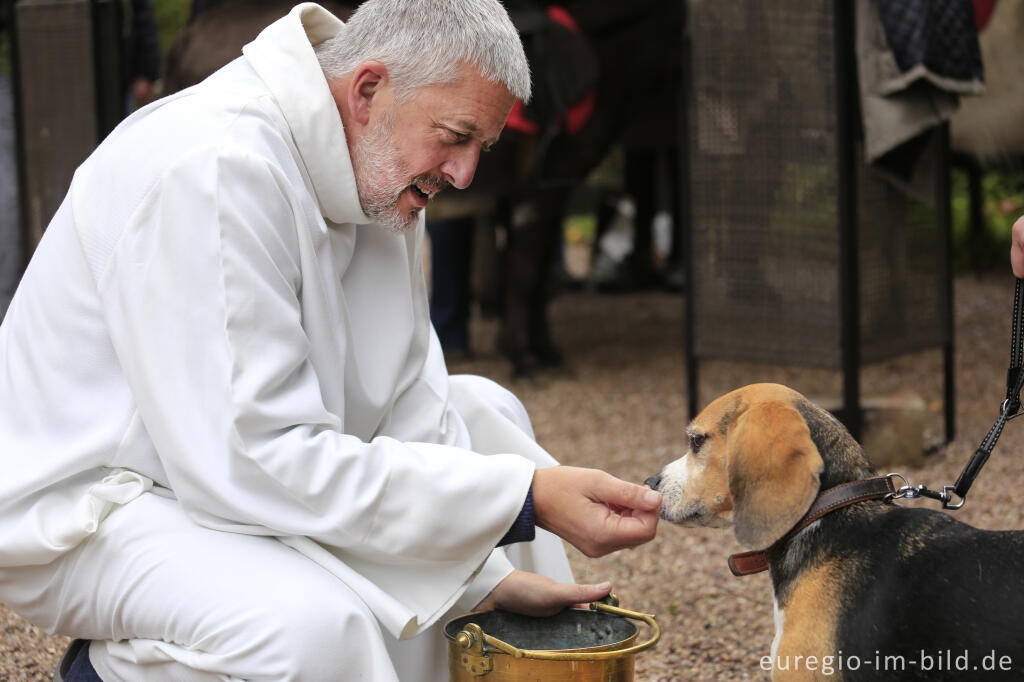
535 595
594 511
1017 248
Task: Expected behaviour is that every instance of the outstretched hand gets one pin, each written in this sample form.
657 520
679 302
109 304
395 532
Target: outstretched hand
594 511
1017 248
530 594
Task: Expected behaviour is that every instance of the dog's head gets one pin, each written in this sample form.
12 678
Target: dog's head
754 463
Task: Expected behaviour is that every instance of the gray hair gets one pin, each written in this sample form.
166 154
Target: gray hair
424 42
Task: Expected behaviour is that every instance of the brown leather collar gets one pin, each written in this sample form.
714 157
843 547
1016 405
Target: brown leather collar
842 495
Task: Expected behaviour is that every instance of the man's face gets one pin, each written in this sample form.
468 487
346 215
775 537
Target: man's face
416 147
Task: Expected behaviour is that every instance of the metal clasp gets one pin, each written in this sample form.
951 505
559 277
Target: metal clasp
948 491
908 491
1004 409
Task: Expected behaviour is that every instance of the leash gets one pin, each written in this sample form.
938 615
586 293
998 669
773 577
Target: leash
1008 409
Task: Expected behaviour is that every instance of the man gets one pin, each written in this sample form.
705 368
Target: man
231 449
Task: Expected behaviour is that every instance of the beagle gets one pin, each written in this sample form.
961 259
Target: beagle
864 589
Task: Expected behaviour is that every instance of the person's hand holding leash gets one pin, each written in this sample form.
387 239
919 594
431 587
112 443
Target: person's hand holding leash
594 511
1017 248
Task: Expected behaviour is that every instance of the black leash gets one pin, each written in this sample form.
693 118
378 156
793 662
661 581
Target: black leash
1009 409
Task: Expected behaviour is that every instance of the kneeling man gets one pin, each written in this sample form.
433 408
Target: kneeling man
230 445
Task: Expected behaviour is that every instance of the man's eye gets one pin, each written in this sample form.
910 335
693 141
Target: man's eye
697 440
457 137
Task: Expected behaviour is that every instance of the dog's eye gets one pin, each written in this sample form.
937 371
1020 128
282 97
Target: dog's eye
696 440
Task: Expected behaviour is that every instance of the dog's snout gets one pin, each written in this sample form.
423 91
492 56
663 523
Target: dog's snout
653 482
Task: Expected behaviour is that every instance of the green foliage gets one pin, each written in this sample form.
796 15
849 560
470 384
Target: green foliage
1003 203
171 17
806 196
580 228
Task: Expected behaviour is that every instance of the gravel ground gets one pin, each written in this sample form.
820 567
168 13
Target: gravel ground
621 406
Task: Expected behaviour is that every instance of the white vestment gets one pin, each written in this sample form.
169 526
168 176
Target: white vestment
210 318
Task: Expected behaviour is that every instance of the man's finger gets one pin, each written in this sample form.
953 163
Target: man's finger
588 593
629 495
637 528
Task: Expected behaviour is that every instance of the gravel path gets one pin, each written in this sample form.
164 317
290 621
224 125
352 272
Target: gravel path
622 407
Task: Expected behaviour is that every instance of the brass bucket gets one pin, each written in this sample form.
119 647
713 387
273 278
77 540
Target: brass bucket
574 645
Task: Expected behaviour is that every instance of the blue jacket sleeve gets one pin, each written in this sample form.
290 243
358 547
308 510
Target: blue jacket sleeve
523 529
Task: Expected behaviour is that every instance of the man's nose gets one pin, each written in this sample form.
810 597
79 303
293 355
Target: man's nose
461 166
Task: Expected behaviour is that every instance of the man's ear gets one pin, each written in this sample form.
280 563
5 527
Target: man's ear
774 472
365 86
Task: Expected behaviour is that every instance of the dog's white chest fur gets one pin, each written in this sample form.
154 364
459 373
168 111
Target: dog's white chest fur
780 617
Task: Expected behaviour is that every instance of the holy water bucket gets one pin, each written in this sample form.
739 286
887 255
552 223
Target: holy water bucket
576 644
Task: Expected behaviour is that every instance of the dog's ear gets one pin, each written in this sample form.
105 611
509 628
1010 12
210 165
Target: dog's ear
774 472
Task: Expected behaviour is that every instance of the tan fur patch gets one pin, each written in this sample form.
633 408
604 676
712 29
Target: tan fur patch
711 486
806 650
773 469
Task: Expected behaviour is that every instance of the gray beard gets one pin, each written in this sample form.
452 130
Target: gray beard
380 177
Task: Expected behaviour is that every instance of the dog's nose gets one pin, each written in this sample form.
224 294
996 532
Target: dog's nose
653 481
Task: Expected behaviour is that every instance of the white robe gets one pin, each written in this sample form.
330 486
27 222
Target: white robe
211 316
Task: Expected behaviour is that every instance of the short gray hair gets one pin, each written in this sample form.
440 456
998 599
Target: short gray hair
424 42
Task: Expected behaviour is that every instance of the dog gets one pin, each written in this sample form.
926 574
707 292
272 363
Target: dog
871 590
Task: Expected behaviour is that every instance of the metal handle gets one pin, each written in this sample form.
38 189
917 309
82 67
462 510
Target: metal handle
472 632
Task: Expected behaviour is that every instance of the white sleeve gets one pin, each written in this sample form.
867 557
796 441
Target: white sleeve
202 297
